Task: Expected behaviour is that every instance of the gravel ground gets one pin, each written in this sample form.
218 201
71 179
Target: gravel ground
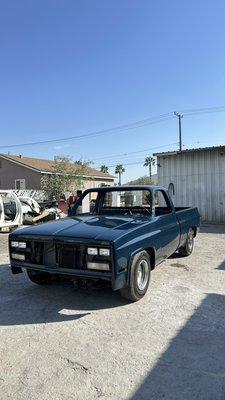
61 343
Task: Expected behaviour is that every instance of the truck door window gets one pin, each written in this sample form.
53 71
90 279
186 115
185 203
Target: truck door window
87 205
162 204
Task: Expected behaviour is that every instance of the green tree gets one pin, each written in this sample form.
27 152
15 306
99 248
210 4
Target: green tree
66 176
149 162
119 170
143 180
104 169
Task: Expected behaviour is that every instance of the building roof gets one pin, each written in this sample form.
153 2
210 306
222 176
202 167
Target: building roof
47 166
176 152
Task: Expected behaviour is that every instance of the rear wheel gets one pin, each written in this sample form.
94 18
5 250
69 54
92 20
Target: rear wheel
39 277
187 249
139 277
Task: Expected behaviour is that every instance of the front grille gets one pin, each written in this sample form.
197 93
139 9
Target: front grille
49 254
67 256
56 255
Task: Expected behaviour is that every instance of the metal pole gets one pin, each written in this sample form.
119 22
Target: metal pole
180 129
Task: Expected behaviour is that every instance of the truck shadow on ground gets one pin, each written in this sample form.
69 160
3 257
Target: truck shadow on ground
222 266
175 256
22 302
193 366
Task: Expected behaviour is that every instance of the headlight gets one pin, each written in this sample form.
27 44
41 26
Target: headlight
104 252
22 245
14 244
92 251
98 266
20 257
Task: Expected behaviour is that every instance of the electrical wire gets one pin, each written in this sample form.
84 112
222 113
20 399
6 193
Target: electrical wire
134 152
203 110
122 128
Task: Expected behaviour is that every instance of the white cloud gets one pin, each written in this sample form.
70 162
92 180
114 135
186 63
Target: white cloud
59 147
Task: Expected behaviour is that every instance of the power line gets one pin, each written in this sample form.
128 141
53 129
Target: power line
126 127
141 161
203 110
132 163
133 125
134 152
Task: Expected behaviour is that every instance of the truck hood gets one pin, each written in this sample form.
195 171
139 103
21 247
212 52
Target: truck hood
85 227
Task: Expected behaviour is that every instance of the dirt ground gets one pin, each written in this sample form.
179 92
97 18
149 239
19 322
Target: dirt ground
61 343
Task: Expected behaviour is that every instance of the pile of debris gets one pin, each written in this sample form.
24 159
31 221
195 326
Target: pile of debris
34 213
17 210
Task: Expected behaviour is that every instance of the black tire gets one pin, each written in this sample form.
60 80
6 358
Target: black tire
187 249
40 278
137 287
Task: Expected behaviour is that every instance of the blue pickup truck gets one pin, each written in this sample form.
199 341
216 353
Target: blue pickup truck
117 234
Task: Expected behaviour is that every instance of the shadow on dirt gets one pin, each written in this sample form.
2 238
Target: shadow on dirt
222 266
208 228
22 302
193 366
176 255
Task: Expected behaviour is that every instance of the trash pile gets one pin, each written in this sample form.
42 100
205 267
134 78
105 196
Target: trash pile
34 213
17 210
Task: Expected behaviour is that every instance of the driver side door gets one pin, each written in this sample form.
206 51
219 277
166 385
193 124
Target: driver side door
166 223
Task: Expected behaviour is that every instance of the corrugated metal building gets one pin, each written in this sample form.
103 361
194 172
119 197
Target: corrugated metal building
195 177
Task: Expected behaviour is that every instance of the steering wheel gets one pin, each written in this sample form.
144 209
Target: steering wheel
128 212
142 208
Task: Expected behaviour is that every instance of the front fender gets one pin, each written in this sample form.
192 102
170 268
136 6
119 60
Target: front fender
124 254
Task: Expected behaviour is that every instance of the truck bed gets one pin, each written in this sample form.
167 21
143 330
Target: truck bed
188 217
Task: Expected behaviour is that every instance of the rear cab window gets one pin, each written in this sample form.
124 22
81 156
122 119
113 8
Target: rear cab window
116 202
162 204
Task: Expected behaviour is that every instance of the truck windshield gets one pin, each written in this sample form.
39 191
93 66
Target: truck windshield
114 202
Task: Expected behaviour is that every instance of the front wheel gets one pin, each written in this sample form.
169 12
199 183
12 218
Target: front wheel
187 249
139 277
38 277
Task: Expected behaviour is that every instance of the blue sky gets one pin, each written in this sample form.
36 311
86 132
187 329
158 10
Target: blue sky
73 67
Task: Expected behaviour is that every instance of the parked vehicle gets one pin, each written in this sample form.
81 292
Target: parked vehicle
11 214
130 230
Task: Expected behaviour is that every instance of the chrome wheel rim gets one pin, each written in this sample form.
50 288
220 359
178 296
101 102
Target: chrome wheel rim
142 274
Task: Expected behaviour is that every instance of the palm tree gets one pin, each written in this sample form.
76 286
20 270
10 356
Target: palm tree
149 162
119 170
104 169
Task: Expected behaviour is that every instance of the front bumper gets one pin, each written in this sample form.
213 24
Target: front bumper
18 266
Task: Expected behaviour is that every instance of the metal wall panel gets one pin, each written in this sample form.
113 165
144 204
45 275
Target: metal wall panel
199 180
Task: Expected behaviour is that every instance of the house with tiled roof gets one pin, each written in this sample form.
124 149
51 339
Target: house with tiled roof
20 172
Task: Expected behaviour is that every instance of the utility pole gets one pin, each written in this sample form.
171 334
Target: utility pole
179 115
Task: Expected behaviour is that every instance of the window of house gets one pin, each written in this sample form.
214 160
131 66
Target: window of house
20 184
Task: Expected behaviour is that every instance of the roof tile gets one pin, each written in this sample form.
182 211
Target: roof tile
48 166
